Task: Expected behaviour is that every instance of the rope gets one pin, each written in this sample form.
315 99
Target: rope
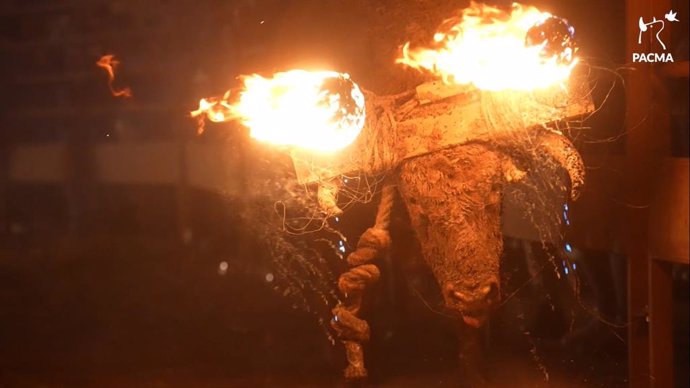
379 146
383 216
352 330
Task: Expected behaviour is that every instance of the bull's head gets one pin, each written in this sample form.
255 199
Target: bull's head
454 200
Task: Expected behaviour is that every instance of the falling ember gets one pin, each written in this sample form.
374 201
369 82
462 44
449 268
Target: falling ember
320 111
524 49
109 63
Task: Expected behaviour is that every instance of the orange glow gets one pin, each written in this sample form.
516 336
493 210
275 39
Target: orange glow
109 63
486 47
315 110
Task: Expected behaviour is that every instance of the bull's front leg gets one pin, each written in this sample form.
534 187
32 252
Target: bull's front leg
350 328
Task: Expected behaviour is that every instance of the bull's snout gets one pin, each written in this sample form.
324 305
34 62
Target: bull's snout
473 302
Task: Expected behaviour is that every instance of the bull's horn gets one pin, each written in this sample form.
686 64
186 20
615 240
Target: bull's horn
328 197
563 151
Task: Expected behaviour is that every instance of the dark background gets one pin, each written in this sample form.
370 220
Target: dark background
117 283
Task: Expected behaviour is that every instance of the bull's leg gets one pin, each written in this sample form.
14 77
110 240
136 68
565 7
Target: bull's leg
352 330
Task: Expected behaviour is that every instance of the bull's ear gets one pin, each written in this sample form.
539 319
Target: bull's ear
511 172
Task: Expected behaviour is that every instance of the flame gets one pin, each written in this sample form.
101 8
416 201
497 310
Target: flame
314 110
486 47
215 109
109 63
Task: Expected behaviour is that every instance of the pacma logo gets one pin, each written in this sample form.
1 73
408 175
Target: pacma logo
650 27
